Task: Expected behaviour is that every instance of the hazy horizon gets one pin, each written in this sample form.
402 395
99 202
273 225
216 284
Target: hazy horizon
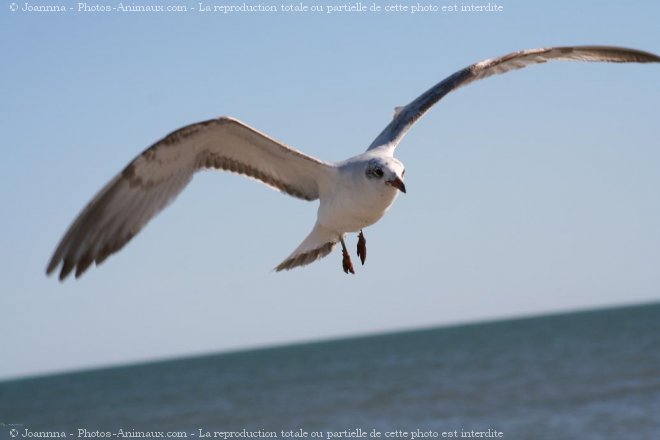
329 339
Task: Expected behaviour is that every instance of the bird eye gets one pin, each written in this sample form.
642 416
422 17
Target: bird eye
378 172
403 173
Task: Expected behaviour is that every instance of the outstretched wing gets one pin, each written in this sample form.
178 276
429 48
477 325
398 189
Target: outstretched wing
153 179
319 243
405 117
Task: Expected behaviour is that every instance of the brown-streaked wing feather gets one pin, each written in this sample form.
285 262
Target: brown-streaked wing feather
319 243
405 117
305 258
153 179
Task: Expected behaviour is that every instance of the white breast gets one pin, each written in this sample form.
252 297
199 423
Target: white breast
354 204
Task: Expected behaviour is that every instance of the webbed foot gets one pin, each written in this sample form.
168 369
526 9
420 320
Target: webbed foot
346 262
362 247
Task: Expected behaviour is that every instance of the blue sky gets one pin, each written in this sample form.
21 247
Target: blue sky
528 193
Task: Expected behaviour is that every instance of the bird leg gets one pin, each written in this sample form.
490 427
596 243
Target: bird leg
362 247
347 264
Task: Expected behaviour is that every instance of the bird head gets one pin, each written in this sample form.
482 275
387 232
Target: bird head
389 170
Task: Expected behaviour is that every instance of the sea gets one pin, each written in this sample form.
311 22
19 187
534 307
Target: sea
586 375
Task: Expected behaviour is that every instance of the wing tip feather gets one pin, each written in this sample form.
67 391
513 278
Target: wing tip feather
305 258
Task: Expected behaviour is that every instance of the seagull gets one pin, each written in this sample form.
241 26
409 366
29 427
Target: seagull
353 194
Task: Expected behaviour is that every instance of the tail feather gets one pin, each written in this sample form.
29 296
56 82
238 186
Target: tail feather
319 243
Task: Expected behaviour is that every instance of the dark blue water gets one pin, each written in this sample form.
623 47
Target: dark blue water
592 375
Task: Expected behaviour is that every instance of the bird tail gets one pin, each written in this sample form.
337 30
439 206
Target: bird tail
319 243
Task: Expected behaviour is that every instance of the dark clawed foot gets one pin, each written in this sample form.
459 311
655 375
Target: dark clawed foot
362 247
347 263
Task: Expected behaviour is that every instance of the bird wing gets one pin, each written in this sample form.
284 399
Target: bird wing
319 243
405 117
154 179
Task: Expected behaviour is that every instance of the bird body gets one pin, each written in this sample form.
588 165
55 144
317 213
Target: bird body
355 201
353 194
349 202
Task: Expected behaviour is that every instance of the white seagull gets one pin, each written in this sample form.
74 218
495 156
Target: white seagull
353 194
